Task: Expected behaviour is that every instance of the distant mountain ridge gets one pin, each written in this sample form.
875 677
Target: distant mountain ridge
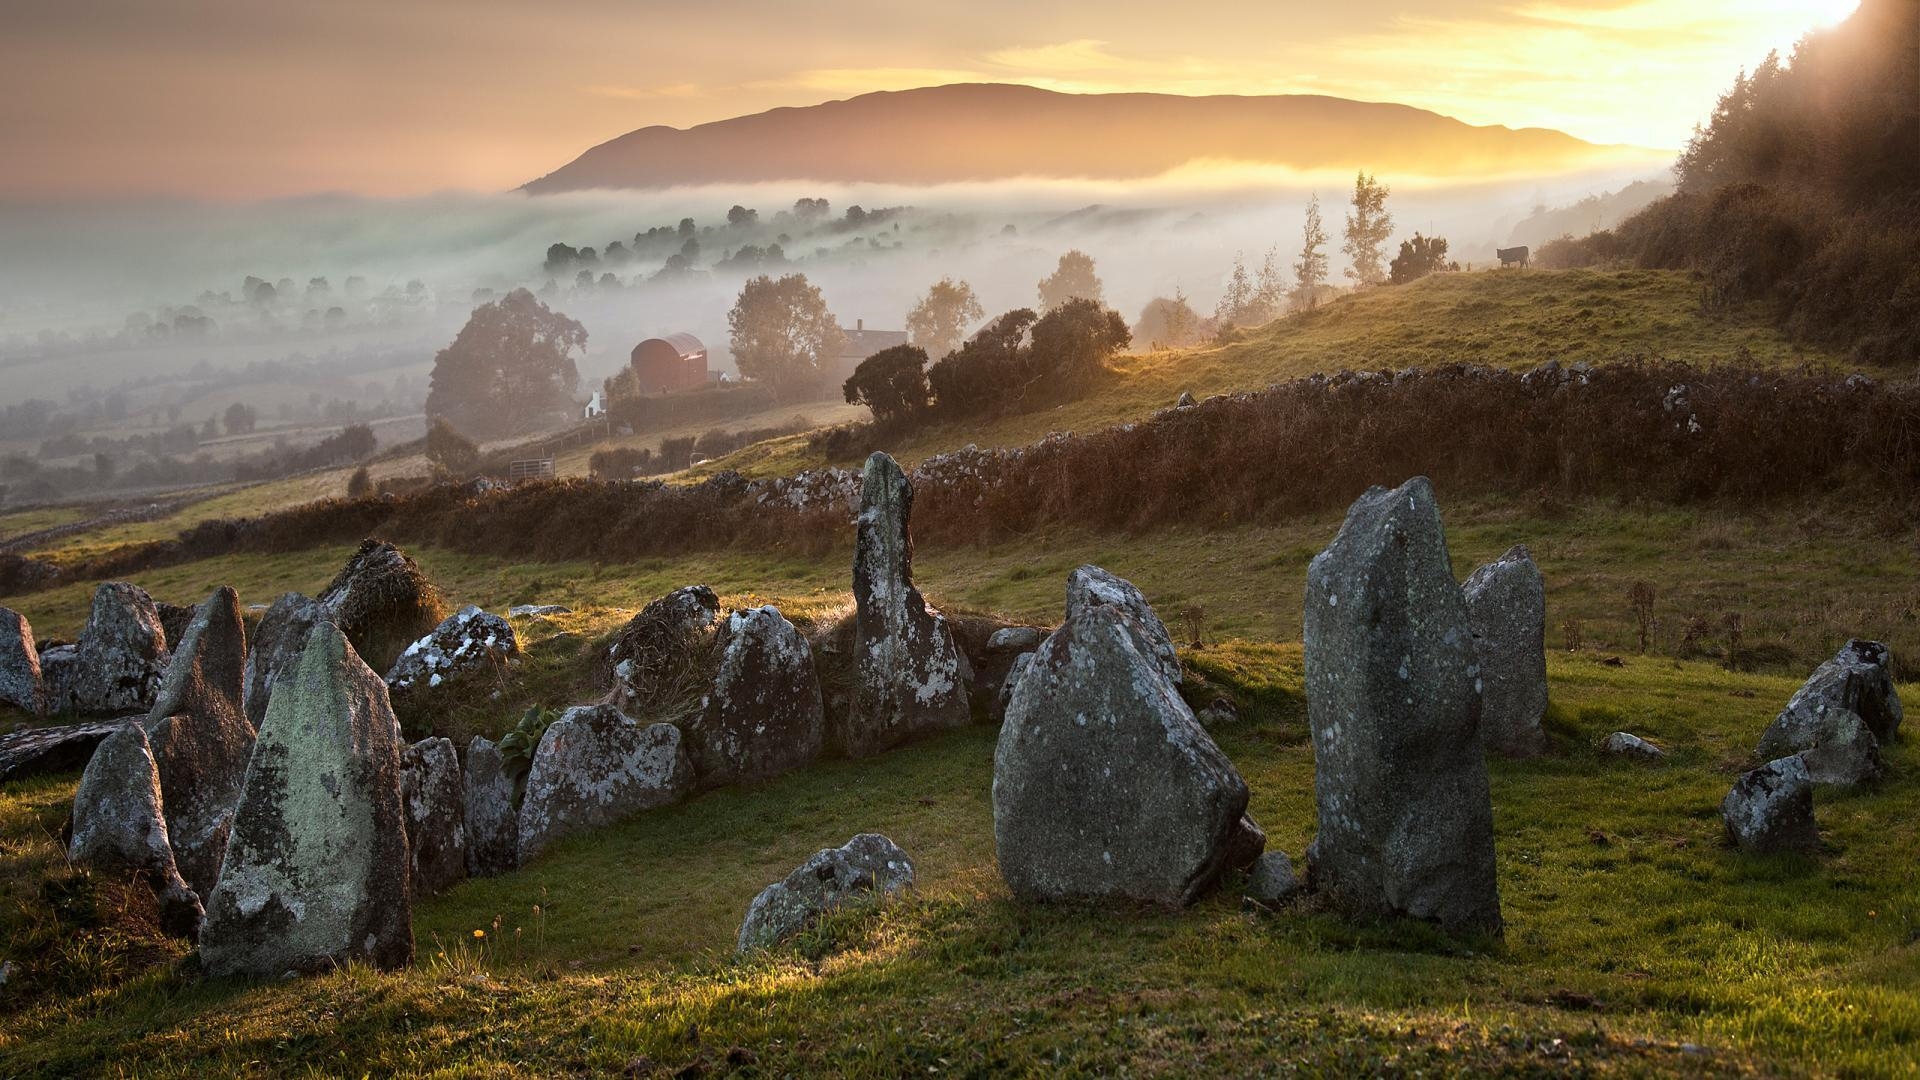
998 131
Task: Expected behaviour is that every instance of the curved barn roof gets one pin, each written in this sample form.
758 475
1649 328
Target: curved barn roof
686 345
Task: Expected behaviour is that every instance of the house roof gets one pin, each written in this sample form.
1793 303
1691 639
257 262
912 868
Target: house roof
685 344
860 344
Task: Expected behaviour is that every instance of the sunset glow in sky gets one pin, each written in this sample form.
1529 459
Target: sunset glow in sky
244 99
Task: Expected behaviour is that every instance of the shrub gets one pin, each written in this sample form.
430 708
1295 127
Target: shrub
619 463
448 450
360 484
892 383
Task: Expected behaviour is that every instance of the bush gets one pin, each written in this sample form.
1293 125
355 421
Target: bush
360 484
448 450
620 463
892 383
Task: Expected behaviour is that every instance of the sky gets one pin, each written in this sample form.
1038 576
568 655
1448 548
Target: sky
245 99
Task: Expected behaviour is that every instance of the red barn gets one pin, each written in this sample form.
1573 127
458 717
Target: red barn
673 362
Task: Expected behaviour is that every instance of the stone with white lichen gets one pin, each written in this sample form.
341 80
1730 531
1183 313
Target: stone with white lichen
867 865
763 715
595 766
435 801
1771 809
468 642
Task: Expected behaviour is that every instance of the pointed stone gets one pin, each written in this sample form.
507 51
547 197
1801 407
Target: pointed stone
20 683
1400 777
436 815
909 676
1104 784
383 602
1090 586
493 825
119 826
201 738
1507 612
317 870
764 715
594 767
121 657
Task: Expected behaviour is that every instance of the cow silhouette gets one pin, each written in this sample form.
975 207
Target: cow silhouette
1513 256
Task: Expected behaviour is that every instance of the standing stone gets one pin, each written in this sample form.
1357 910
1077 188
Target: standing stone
118 825
764 715
20 683
435 801
1507 613
594 767
317 871
201 738
1090 586
659 659
908 676
1406 818
1857 681
493 825
383 602
122 655
469 642
1771 809
277 641
1846 755
867 864
1104 784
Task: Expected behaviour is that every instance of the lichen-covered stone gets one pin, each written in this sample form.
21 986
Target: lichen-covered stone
1400 777
20 683
119 826
868 864
201 738
470 641
435 801
909 677
763 716
1104 784
1273 881
596 766
57 748
1091 586
660 659
493 824
1627 744
317 871
277 641
383 602
1847 753
1771 809
1857 681
1507 612
121 657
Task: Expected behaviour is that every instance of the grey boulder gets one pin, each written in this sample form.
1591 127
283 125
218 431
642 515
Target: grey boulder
119 826
1090 586
493 825
277 641
1273 881
57 748
1104 784
595 766
1846 755
435 802
1628 745
201 738
763 716
909 677
1400 777
869 864
1857 681
122 656
1771 809
469 642
1507 613
20 682
317 870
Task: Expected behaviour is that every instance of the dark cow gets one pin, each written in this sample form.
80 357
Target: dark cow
1515 256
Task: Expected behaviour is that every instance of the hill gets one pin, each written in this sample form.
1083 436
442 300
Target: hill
977 132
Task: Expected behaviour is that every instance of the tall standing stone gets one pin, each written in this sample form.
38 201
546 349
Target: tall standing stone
1090 586
121 657
1405 813
1507 613
20 682
277 641
493 825
763 716
595 766
1104 784
909 676
435 799
119 825
317 870
201 737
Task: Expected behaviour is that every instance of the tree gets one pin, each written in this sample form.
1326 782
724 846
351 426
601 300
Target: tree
892 383
1238 297
1311 270
448 450
509 365
781 331
240 418
939 321
1368 227
1073 279
1168 322
1419 257
360 484
1074 341
740 217
991 367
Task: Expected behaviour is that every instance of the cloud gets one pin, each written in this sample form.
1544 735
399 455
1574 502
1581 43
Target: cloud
647 93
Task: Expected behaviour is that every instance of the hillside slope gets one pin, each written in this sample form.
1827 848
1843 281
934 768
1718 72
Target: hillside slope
975 132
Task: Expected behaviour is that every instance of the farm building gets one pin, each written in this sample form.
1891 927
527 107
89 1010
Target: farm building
859 343
672 362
